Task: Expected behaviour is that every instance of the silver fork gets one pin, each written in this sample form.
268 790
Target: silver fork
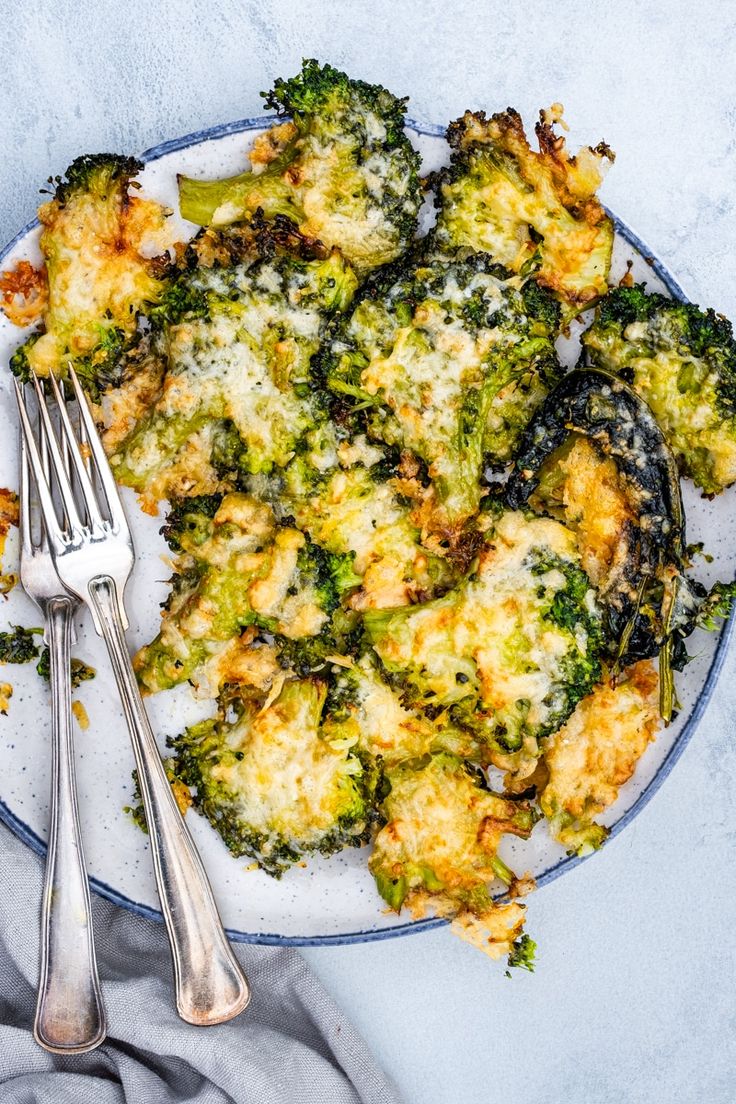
70 1017
93 555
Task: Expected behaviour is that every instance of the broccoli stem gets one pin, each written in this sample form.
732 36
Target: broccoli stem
221 202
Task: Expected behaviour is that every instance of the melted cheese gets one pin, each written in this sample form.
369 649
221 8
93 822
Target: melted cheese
289 782
440 838
98 272
592 500
354 514
591 756
493 631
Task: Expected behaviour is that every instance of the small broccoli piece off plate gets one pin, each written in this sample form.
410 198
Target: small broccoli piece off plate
451 358
592 755
97 241
437 850
531 210
238 570
511 650
682 361
271 784
342 169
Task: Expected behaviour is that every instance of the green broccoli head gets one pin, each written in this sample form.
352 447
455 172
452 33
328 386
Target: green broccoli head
189 522
238 395
438 848
18 645
351 499
342 169
511 650
101 176
533 211
271 784
239 569
451 358
97 240
682 361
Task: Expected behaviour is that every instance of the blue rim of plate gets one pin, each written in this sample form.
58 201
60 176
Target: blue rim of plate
568 862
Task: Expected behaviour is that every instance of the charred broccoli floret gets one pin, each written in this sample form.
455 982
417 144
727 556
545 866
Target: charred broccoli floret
240 569
438 848
511 650
594 457
237 393
96 241
342 169
532 211
452 359
271 784
682 361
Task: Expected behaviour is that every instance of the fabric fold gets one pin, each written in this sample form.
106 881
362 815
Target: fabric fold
292 1046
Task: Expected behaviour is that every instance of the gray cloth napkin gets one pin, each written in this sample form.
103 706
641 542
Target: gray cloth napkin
292 1045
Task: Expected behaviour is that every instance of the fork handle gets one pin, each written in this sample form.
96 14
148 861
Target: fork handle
210 985
70 1017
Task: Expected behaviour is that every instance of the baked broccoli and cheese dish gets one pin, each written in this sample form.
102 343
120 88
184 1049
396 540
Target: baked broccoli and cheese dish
435 586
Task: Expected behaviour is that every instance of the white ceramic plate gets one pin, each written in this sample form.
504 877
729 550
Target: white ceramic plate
330 900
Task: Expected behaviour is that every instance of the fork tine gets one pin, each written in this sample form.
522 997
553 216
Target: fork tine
26 536
117 513
34 463
62 480
73 449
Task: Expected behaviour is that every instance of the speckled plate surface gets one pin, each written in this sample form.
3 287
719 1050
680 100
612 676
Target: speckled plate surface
329 900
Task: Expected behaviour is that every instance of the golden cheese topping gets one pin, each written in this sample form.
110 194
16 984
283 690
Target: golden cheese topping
97 258
289 782
586 491
354 513
494 629
596 752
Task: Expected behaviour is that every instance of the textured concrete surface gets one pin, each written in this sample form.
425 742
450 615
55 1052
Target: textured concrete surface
633 999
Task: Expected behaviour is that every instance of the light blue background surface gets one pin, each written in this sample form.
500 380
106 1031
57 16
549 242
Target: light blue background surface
633 998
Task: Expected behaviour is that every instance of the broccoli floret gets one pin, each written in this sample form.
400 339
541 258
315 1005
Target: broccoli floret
18 645
364 710
682 361
452 358
189 522
238 388
342 169
595 753
80 671
103 177
240 569
511 650
354 503
438 847
716 606
522 955
96 240
535 212
269 782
